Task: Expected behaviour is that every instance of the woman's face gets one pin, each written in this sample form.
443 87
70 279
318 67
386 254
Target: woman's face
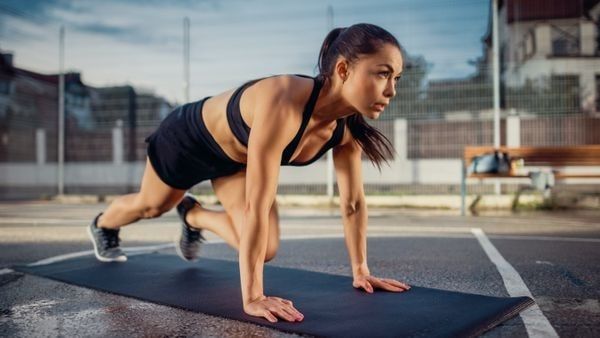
371 81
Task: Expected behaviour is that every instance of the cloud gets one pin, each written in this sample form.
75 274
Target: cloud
140 41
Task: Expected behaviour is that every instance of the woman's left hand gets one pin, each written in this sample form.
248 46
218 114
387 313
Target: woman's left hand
369 283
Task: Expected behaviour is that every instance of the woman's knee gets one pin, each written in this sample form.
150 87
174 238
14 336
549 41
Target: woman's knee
152 210
271 252
272 247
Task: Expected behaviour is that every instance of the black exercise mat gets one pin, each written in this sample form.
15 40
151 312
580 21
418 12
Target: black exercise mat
331 306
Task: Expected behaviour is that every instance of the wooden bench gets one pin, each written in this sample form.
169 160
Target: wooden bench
555 157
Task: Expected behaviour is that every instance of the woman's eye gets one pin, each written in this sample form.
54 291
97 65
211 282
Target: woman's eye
384 74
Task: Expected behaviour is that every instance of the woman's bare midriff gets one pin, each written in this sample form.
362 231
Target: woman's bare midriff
215 119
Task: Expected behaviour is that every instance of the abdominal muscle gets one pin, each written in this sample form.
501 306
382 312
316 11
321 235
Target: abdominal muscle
215 119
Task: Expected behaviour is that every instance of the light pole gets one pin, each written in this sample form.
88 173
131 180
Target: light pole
186 59
496 77
61 112
330 151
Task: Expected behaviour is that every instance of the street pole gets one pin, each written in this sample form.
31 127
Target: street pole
496 77
61 112
186 59
330 151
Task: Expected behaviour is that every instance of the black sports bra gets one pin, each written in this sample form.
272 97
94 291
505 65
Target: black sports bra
241 130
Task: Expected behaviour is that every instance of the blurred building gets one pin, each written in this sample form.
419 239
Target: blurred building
29 103
549 43
137 112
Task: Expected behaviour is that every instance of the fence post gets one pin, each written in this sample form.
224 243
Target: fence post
117 142
463 186
513 131
40 146
401 139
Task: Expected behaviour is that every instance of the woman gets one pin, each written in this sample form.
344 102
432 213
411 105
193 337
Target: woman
240 142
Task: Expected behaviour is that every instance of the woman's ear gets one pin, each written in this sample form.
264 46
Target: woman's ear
341 69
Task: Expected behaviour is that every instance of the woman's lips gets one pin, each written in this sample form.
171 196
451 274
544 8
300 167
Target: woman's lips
379 106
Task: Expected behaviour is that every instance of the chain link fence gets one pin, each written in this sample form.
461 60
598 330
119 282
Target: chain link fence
550 82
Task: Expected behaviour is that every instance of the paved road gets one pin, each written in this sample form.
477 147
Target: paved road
555 255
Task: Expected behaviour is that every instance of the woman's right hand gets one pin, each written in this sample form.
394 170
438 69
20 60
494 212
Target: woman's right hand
273 307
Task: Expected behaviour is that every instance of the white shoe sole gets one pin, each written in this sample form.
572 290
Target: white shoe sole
100 258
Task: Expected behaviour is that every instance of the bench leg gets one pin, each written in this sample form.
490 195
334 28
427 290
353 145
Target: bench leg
473 205
515 202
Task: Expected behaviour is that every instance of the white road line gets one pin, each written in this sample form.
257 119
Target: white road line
148 249
547 238
428 232
131 250
536 324
5 271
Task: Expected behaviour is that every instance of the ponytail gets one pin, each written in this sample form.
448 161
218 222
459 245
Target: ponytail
375 145
325 58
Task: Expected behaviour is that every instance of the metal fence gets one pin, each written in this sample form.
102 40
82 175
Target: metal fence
554 97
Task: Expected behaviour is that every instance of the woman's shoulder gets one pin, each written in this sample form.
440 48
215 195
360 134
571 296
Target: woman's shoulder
289 88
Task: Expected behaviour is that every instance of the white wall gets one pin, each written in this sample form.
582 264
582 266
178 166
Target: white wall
121 174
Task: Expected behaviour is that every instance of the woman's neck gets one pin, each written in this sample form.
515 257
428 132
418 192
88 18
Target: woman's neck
330 104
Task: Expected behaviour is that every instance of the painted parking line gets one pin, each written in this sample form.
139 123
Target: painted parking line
131 250
536 324
5 271
385 231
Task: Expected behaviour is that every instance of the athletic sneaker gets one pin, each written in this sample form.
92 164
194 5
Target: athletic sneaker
190 239
106 243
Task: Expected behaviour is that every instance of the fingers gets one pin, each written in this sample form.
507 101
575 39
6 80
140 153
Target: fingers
270 316
290 307
397 283
284 313
285 309
292 313
381 284
366 286
370 288
388 284
273 307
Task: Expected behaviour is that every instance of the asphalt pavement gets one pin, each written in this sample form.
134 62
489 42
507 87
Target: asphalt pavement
554 256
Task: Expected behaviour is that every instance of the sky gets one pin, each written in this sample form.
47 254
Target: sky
140 42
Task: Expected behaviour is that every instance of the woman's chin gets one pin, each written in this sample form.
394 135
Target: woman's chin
370 114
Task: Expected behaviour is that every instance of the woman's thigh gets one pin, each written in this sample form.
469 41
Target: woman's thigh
231 192
155 196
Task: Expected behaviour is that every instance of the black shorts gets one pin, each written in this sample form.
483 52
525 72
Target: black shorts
182 151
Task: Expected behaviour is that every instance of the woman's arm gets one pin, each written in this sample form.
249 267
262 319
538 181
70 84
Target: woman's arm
348 166
270 133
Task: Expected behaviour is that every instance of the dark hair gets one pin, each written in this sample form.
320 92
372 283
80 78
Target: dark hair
350 42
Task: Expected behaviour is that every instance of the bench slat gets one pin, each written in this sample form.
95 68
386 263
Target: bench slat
584 155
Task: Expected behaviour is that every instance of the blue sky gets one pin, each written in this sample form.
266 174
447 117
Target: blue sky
140 42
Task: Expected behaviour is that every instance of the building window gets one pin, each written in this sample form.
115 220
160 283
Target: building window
529 44
565 39
4 87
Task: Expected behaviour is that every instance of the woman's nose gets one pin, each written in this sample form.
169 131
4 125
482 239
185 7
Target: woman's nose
390 89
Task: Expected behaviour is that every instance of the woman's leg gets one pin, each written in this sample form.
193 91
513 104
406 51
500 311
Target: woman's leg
230 190
154 198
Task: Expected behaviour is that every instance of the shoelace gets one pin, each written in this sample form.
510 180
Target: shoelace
110 238
193 235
